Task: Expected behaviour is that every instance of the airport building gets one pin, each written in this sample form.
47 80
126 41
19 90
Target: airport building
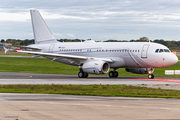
7 45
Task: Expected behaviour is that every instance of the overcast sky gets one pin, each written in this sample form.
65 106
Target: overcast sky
95 19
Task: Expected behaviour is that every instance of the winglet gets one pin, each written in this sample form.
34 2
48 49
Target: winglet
40 29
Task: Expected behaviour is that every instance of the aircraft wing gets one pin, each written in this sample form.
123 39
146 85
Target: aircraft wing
65 56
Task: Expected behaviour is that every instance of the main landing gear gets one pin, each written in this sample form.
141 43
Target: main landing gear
113 74
82 74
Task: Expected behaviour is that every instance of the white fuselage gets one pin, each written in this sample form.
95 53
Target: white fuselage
123 54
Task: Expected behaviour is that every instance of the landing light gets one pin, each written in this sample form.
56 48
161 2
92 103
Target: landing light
149 72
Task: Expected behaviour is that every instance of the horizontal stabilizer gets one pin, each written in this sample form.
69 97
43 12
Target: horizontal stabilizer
27 47
5 50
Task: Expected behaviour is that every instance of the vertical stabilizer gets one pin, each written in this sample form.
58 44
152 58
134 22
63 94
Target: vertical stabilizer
42 34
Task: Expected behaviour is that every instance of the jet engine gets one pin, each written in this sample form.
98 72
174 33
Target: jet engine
96 67
138 70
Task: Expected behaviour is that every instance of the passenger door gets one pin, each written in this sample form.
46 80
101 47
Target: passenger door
144 51
51 48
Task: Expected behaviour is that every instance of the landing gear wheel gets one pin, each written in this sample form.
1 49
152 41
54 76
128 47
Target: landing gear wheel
82 74
150 76
113 74
85 75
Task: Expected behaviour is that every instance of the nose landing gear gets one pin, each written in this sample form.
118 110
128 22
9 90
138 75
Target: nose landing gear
150 72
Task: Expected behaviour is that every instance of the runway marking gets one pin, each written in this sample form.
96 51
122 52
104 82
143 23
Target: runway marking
162 80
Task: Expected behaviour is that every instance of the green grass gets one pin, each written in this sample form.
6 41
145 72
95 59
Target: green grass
93 90
34 65
43 65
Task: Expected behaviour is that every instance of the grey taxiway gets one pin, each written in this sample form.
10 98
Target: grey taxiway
34 78
70 107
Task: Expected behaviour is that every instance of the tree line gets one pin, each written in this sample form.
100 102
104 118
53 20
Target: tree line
175 45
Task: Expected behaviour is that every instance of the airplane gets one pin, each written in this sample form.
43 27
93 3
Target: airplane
98 57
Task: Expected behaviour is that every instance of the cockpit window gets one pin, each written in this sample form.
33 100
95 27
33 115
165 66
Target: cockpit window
161 50
157 50
166 50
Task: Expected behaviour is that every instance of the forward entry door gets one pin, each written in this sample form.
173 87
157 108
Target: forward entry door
51 48
144 51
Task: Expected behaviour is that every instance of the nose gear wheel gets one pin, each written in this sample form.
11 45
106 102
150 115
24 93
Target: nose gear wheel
150 76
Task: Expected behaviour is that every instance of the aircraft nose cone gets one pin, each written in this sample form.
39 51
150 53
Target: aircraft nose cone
173 59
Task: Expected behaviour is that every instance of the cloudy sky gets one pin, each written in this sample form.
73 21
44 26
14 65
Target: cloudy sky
96 19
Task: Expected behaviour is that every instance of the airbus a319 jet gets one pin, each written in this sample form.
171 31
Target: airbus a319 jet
98 57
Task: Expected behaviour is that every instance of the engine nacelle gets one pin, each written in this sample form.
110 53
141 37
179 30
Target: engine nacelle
96 67
138 70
